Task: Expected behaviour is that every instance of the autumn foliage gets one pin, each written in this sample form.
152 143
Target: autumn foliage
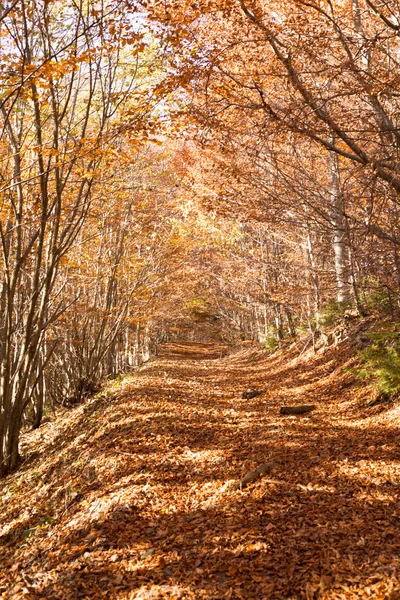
218 173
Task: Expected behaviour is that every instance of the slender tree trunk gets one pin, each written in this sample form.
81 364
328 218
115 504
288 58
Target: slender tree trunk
312 268
339 236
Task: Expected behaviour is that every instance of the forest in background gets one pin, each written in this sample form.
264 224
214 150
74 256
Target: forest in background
212 171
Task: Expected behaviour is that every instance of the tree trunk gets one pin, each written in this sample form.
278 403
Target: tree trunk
339 231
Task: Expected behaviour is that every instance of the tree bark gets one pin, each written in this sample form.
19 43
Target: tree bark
339 235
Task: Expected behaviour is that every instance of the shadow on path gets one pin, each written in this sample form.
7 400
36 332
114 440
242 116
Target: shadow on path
129 496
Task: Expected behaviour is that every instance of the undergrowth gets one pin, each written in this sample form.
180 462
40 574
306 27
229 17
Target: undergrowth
333 312
381 361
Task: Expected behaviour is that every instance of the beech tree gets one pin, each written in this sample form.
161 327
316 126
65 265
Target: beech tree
312 85
64 91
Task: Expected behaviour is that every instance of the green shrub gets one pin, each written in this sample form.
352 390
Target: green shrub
332 312
380 300
271 342
381 361
377 297
303 330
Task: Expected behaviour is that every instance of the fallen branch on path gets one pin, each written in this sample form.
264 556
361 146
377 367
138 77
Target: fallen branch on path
381 398
249 394
301 409
250 477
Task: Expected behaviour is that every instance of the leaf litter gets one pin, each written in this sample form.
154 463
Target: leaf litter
132 495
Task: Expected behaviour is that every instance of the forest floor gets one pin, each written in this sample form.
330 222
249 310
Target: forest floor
127 496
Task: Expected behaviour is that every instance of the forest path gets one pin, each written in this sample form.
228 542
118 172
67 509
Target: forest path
128 495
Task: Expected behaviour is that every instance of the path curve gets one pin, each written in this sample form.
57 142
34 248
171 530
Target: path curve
127 496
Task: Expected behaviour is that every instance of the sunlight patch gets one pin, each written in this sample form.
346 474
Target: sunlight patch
201 456
371 473
156 592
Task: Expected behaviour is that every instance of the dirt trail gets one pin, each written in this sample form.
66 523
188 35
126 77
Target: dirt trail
127 496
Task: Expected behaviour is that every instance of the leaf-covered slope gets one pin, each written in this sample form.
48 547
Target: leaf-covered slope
128 495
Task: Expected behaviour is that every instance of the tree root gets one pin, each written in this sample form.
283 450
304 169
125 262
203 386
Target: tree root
250 477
